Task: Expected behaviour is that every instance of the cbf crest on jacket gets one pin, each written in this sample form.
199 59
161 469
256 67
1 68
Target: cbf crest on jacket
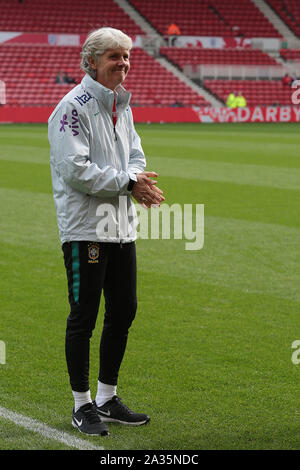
92 164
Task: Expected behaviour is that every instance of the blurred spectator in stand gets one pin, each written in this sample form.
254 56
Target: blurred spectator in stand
236 31
173 33
287 80
177 104
59 78
240 101
230 102
68 79
63 77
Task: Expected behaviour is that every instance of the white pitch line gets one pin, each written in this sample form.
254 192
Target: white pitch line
46 431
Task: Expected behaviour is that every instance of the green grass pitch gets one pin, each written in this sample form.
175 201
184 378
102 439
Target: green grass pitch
209 354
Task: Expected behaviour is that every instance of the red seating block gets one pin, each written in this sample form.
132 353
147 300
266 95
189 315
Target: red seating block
190 56
67 16
207 18
256 92
289 12
32 80
290 54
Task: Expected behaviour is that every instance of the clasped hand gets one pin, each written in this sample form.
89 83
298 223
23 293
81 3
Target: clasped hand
145 190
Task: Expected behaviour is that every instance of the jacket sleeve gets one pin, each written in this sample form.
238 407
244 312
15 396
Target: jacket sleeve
69 139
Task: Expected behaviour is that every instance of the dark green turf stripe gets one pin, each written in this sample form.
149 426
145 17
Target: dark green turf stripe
75 270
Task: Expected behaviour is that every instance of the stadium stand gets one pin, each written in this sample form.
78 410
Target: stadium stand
67 16
30 72
189 56
207 18
289 12
256 92
245 19
292 55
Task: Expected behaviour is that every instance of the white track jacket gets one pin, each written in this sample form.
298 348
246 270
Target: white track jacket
91 165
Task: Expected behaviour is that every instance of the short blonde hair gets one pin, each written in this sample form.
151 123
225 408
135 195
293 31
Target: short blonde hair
98 42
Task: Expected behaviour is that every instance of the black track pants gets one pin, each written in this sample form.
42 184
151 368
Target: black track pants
91 267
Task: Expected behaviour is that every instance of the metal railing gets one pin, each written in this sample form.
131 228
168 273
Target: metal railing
2 93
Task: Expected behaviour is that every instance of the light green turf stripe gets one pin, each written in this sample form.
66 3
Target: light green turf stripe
25 154
238 254
28 218
75 270
255 175
249 142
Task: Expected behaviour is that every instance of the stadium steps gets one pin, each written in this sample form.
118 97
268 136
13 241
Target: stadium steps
275 20
276 56
280 60
218 15
137 17
210 98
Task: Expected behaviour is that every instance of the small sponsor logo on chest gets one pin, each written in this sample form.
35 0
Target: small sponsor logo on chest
83 99
72 125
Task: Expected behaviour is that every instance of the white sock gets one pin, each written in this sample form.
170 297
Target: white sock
81 398
105 392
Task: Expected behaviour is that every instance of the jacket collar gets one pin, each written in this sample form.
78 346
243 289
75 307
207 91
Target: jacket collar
105 95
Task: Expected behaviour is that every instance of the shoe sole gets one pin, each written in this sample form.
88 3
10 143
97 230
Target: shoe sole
105 419
103 434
